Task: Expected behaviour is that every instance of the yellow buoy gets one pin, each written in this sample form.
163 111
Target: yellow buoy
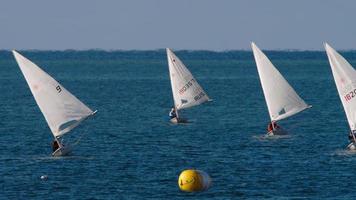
191 180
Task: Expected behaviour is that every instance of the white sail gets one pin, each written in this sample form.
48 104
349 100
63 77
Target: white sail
61 109
282 101
186 90
345 80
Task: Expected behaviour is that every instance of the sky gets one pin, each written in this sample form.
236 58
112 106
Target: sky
178 24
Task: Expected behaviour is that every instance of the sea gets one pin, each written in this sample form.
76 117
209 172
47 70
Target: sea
129 150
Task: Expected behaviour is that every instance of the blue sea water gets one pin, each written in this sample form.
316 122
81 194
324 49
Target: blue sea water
130 151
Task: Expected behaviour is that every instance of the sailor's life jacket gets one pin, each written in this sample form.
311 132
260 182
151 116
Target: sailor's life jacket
270 126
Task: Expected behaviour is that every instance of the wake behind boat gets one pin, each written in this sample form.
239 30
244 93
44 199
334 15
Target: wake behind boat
282 100
62 110
186 90
345 79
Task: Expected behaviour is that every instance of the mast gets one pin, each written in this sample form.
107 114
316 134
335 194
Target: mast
177 115
175 107
353 135
58 142
272 124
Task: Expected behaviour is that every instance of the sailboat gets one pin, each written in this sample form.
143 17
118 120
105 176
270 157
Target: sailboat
282 101
62 111
345 80
186 90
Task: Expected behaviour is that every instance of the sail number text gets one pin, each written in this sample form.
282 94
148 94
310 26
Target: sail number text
186 86
350 95
199 96
59 89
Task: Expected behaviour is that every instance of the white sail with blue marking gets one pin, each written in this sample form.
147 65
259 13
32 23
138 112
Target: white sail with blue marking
61 109
186 90
345 80
282 101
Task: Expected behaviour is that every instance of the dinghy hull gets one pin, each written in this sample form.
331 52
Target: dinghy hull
62 151
277 131
178 121
351 147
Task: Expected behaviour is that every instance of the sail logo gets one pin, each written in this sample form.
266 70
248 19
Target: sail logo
186 86
281 112
187 181
35 86
342 81
184 101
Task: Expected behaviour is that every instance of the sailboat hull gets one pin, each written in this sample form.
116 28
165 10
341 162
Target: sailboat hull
178 121
63 151
351 147
277 131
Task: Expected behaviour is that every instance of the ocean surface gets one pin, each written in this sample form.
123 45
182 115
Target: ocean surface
129 150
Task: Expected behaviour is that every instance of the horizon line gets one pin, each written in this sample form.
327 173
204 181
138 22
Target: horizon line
163 49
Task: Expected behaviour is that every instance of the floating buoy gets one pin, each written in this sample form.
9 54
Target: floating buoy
191 180
44 177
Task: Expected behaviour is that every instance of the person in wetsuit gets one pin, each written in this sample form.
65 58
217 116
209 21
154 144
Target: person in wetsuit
172 113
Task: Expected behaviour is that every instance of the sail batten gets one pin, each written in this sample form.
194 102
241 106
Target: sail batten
281 99
62 110
186 90
345 79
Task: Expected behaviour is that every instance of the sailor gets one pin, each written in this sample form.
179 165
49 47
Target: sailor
351 137
272 126
172 113
269 127
55 145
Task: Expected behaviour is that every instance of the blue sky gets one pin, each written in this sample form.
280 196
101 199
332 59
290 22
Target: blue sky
178 24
